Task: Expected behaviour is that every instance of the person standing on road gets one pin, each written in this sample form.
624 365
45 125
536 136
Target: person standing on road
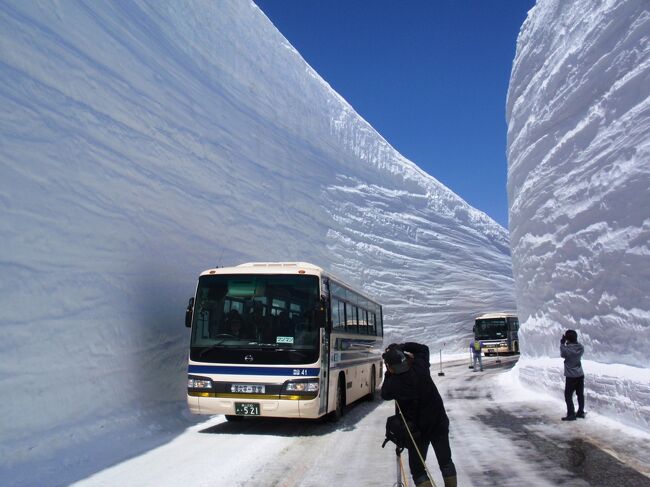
571 351
476 346
408 381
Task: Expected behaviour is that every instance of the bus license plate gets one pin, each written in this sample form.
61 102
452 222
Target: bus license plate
247 388
247 409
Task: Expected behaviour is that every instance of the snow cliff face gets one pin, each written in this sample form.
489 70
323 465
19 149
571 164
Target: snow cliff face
579 191
143 142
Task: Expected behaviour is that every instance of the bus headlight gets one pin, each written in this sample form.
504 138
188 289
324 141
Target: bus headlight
194 382
298 386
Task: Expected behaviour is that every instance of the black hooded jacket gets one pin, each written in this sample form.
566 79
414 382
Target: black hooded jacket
416 393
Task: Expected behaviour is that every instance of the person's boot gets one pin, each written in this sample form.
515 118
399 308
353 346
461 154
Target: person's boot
569 417
450 481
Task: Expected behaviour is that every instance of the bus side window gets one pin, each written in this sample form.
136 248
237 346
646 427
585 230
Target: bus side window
513 324
338 315
351 319
363 322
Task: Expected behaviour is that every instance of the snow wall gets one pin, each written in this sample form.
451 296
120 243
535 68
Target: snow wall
579 192
143 142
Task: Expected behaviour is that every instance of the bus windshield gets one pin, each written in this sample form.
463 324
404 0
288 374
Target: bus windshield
491 328
263 313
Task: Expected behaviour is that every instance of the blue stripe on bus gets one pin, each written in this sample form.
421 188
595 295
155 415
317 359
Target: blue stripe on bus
232 369
345 365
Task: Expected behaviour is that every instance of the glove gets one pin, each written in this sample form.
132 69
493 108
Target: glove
563 340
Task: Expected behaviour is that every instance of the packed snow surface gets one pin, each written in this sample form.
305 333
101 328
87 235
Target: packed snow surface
499 436
142 142
579 192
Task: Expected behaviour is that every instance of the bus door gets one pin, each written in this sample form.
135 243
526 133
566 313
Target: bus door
513 334
324 370
325 327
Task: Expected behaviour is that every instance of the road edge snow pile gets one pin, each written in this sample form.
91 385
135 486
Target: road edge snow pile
578 114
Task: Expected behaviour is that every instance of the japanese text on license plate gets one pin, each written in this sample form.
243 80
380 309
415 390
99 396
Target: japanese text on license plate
247 388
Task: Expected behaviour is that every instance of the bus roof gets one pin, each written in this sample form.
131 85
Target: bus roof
496 314
281 268
268 268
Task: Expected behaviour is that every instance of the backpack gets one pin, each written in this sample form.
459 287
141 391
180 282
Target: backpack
477 346
397 432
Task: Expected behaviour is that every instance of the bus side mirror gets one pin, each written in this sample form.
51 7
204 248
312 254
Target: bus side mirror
188 313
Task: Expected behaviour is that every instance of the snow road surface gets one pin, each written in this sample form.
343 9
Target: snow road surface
497 438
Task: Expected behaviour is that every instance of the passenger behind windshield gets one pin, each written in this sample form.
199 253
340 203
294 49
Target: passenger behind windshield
233 324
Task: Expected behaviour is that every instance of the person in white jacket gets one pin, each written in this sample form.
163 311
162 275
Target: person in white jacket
571 351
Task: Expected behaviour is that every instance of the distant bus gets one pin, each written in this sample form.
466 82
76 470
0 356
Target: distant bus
280 339
498 333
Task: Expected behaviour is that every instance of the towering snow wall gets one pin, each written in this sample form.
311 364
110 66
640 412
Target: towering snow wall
144 141
579 191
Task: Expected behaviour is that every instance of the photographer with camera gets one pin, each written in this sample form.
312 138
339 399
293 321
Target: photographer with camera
571 351
408 381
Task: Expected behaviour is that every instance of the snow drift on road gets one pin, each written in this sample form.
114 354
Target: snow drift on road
144 141
579 192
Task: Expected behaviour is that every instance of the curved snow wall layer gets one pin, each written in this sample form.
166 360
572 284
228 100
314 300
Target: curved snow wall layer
579 191
142 142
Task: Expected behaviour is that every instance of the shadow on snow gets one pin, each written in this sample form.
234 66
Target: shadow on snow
354 413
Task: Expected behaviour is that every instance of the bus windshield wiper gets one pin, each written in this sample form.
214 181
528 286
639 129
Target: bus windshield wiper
213 346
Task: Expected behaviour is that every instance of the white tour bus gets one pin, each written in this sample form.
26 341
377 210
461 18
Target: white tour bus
498 332
280 339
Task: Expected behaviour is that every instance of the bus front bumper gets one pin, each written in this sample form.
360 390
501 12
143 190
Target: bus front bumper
494 348
280 408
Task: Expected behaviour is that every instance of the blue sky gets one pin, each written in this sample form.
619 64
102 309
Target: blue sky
431 76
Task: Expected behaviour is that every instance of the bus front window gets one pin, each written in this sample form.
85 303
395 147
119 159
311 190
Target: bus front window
267 313
491 329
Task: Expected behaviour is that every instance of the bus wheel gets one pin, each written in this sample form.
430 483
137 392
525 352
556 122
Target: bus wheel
373 385
340 401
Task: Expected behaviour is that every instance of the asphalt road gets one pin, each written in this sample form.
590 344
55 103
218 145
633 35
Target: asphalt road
499 442
495 441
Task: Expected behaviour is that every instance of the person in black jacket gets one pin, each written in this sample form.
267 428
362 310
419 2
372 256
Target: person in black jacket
408 381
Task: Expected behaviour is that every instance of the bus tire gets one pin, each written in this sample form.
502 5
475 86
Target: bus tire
373 385
340 400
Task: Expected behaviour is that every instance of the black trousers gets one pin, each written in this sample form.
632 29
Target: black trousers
440 444
577 385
